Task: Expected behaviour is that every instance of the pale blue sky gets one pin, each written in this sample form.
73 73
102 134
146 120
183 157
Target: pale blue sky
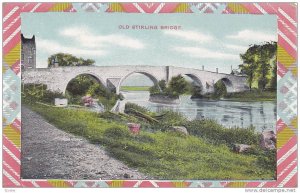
212 40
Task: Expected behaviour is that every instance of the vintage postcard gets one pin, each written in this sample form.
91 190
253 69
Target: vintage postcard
150 95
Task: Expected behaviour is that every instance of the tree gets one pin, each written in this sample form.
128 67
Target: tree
273 81
155 89
80 85
266 52
196 91
177 86
158 88
219 89
249 64
64 59
257 64
97 90
162 84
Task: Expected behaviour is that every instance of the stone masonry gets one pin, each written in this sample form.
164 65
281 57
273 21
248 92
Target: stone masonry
112 77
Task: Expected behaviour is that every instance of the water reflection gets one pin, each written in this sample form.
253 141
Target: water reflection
262 115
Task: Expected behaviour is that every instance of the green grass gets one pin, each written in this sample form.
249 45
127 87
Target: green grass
250 96
135 88
215 133
162 155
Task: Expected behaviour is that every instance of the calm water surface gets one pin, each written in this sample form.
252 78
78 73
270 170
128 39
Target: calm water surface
262 115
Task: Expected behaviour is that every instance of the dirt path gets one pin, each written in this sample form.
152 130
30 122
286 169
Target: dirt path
49 153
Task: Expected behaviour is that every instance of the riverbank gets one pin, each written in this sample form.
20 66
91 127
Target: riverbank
164 99
247 96
163 154
252 96
135 88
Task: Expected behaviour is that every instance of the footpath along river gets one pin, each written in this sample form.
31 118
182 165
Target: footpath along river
50 153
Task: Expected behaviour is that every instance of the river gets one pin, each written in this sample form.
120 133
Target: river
261 115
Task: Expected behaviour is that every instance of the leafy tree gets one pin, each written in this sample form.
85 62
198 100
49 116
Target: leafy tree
158 88
196 91
32 93
98 90
266 53
65 59
177 86
162 84
155 89
219 89
80 85
273 81
257 64
250 60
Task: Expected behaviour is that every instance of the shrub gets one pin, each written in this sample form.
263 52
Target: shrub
49 96
196 91
267 159
219 89
117 133
99 90
145 138
176 86
217 134
32 93
155 127
171 118
76 100
154 89
135 107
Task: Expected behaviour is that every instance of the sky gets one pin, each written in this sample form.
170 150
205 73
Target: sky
209 40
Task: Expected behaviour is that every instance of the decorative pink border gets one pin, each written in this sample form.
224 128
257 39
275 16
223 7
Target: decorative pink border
287 85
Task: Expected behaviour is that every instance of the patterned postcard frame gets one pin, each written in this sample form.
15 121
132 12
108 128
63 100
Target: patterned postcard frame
286 93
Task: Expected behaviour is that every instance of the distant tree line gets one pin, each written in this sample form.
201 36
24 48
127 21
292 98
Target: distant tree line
259 64
64 59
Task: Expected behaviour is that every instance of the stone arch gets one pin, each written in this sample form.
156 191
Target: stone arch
94 76
197 80
228 84
149 75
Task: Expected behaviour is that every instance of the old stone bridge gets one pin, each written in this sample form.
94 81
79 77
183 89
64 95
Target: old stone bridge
57 78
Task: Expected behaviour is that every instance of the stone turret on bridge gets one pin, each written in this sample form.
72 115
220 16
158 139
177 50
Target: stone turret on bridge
112 77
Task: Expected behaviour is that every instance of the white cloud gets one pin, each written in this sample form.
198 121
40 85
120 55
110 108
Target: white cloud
236 47
52 47
191 36
197 52
86 38
253 36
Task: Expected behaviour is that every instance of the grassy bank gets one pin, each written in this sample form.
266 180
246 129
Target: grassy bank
135 88
247 96
163 154
252 96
